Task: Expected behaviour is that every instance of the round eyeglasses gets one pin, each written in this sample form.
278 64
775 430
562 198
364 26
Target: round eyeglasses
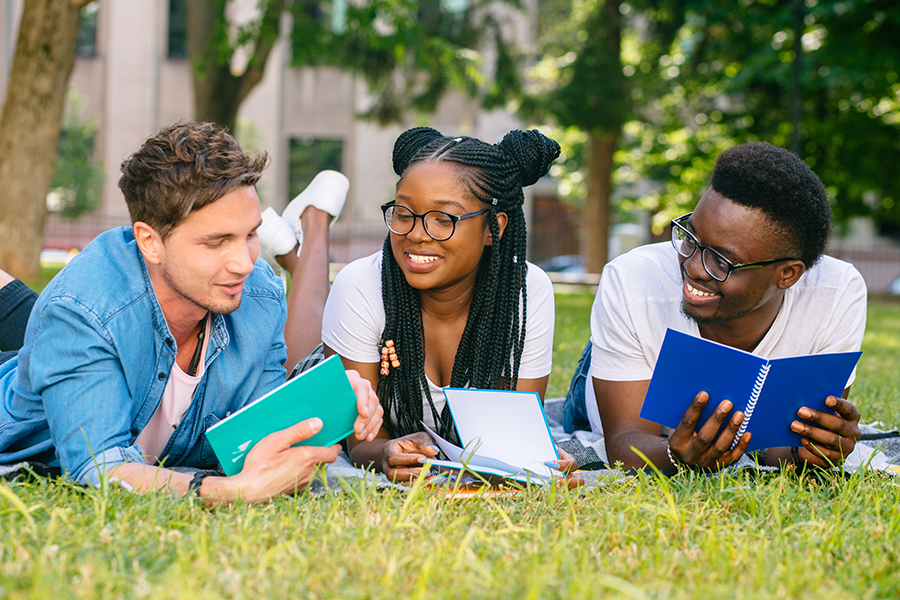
439 225
717 266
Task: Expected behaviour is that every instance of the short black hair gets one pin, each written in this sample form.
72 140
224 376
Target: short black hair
774 180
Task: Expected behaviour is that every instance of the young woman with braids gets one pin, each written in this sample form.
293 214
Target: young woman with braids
449 300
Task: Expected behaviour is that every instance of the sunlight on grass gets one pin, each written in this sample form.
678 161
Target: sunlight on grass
692 537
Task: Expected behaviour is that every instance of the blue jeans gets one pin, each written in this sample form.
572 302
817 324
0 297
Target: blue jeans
574 409
16 300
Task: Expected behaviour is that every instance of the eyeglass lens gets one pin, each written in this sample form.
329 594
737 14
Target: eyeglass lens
438 224
717 267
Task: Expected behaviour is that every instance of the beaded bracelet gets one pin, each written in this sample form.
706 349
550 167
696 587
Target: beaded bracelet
675 463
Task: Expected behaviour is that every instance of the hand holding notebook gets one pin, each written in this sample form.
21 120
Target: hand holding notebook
768 392
505 434
323 391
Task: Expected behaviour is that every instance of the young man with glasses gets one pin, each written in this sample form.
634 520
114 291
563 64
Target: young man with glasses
744 269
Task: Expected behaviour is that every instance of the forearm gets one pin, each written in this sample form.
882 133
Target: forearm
143 479
619 449
781 457
368 454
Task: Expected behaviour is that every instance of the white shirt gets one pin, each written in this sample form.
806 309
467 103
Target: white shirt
354 321
640 296
176 400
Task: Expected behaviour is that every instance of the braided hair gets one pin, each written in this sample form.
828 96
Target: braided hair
490 350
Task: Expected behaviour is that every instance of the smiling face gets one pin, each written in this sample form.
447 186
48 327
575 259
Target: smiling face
203 264
426 263
742 235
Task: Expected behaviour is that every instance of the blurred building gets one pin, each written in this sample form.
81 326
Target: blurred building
132 73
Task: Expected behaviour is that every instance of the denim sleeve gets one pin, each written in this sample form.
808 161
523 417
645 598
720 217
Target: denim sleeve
76 371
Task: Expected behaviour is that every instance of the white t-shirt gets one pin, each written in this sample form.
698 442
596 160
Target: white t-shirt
176 400
354 321
640 296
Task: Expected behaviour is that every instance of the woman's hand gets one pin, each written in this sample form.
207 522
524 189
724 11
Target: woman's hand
566 462
402 458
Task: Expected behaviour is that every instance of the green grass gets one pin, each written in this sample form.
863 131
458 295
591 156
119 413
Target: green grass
779 536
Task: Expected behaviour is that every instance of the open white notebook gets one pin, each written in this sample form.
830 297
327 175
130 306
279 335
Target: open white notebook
504 433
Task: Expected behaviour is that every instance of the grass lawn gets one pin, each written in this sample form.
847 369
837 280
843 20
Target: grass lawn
779 536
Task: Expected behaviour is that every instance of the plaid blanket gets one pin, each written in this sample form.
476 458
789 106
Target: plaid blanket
879 449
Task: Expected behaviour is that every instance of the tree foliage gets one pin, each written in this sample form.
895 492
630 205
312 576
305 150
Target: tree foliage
78 178
728 74
409 53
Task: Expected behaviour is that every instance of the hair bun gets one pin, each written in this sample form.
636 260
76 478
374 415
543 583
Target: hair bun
409 143
532 151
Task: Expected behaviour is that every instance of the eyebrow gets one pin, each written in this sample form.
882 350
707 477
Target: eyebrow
221 236
438 202
720 249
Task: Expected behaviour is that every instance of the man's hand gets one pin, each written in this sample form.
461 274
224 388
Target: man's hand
371 413
703 449
274 466
834 439
402 458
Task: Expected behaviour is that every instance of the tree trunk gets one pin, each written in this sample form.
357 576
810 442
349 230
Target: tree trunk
595 230
218 93
29 128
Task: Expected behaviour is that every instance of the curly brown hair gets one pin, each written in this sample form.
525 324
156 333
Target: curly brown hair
183 168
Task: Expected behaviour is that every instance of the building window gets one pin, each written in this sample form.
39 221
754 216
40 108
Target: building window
177 38
308 156
86 45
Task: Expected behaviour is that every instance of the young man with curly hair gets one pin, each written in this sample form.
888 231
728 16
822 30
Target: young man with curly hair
157 331
745 269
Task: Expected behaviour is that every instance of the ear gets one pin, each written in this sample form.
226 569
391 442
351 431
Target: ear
789 273
149 243
502 220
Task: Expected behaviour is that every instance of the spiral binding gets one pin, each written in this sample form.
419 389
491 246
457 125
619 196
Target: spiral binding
751 404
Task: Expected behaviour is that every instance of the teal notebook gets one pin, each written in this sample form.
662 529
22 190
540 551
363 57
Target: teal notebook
323 391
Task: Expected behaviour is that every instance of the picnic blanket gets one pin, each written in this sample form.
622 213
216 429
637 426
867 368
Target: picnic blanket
879 449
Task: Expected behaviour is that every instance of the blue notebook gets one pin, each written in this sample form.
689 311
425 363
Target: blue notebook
768 391
322 391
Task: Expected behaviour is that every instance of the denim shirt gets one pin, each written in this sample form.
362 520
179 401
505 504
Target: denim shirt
97 356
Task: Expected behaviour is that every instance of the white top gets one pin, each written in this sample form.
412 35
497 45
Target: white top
176 400
640 296
354 321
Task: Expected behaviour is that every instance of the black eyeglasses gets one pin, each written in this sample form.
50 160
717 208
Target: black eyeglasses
718 267
439 225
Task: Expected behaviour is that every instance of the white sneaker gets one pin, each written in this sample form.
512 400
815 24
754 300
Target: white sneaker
327 191
275 238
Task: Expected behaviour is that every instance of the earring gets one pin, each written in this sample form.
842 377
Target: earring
389 357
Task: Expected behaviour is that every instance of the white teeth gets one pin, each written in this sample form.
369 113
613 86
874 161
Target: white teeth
697 292
419 259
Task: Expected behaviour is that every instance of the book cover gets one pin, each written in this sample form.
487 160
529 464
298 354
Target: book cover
322 391
768 391
504 433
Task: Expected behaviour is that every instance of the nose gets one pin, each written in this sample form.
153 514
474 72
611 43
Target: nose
244 257
418 233
694 266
